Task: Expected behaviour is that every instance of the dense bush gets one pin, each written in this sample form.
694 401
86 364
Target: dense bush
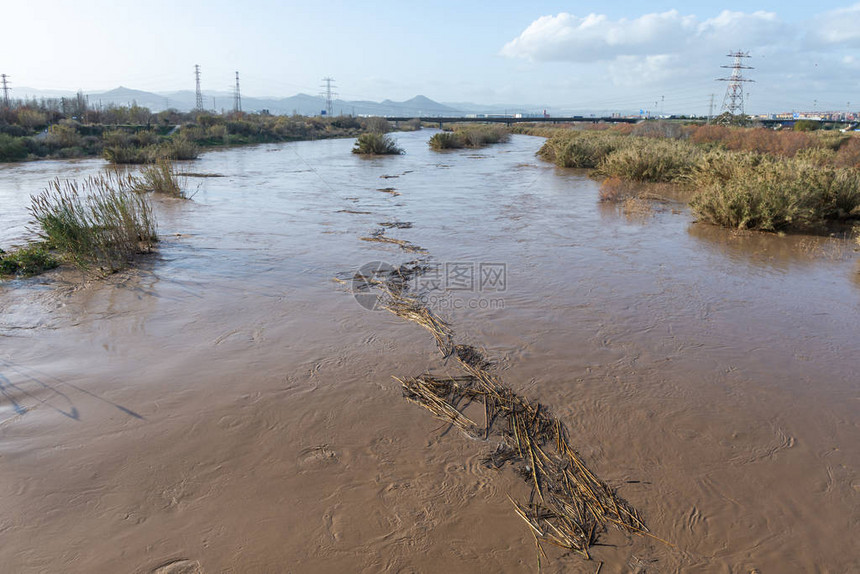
376 144
774 194
30 260
133 134
471 136
650 160
12 148
579 149
446 140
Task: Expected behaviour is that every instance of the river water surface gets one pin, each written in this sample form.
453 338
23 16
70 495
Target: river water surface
229 407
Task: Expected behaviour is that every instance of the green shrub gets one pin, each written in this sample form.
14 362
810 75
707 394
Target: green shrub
12 148
100 223
26 261
376 144
806 125
446 140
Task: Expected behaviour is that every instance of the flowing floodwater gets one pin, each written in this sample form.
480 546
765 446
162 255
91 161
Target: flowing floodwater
229 407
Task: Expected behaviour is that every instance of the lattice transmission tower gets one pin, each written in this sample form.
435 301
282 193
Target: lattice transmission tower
6 89
237 96
199 103
328 94
733 101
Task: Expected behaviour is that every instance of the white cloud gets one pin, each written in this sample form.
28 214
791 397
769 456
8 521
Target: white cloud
633 59
595 37
568 38
837 28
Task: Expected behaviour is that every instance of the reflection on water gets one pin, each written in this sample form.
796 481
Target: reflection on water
777 251
709 375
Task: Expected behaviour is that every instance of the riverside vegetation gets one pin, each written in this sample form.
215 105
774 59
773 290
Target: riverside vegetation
744 178
374 143
135 135
470 136
100 224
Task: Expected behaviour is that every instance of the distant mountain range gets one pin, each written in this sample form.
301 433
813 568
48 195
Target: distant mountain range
301 103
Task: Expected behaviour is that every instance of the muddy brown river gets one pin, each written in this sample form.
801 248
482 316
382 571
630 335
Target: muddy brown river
229 407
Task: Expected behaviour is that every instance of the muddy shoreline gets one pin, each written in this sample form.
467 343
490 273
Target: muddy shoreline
229 405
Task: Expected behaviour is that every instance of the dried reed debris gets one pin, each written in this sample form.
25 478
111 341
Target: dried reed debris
569 505
379 236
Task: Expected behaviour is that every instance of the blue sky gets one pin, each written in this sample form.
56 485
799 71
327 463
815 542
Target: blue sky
597 56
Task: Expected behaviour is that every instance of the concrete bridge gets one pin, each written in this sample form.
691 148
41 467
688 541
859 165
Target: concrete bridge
509 120
562 120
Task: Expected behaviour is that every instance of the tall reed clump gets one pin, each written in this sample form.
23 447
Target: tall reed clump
100 223
162 177
773 194
372 143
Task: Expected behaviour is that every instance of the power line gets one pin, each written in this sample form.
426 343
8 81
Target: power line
199 102
733 101
328 94
237 97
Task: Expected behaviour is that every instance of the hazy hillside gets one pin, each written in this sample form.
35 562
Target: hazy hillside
303 104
